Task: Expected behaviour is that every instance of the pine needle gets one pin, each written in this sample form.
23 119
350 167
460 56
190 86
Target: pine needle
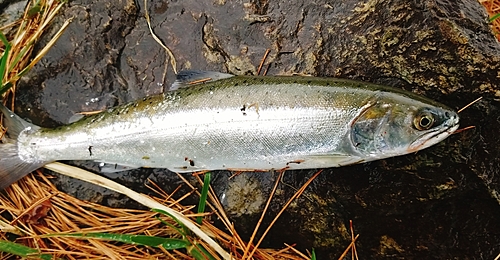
144 200
171 56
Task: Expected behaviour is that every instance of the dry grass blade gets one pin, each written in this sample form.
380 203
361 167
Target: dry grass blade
171 56
262 61
470 104
234 241
27 32
262 215
297 251
296 195
353 240
68 214
349 247
144 200
464 129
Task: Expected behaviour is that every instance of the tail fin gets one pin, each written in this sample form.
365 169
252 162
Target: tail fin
13 168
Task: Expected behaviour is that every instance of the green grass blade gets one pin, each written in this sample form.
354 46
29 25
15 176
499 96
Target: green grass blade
22 251
185 231
203 197
35 9
4 39
3 65
313 255
494 17
179 230
200 253
5 87
167 243
20 56
5 56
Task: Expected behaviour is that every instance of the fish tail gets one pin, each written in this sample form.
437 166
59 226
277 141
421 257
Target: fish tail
12 167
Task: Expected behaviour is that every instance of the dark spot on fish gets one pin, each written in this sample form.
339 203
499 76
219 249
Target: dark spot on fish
90 149
144 99
357 144
33 143
191 162
116 166
295 82
245 81
328 84
309 81
243 109
261 80
236 84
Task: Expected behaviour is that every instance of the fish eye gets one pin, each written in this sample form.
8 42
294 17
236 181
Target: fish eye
423 121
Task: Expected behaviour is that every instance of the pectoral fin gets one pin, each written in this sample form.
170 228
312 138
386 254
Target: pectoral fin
331 160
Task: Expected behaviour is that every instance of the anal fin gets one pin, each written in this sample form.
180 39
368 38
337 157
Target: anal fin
107 167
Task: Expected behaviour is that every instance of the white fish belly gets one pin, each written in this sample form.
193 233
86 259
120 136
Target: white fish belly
213 139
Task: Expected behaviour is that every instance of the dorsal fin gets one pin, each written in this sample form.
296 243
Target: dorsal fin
188 78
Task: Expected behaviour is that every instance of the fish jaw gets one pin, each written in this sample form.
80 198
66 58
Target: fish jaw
433 137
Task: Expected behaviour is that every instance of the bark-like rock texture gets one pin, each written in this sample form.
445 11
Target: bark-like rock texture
440 203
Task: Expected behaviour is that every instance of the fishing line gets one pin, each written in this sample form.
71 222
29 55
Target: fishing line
462 109
470 104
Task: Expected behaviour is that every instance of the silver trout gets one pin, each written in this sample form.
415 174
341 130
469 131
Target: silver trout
243 123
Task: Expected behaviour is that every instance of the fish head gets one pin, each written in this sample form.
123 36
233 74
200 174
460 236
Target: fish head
393 125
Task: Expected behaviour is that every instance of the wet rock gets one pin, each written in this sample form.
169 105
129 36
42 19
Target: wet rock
440 203
11 12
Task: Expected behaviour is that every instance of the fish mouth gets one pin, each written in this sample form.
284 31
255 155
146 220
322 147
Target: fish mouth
433 137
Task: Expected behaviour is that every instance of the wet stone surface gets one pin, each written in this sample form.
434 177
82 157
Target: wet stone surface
440 203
